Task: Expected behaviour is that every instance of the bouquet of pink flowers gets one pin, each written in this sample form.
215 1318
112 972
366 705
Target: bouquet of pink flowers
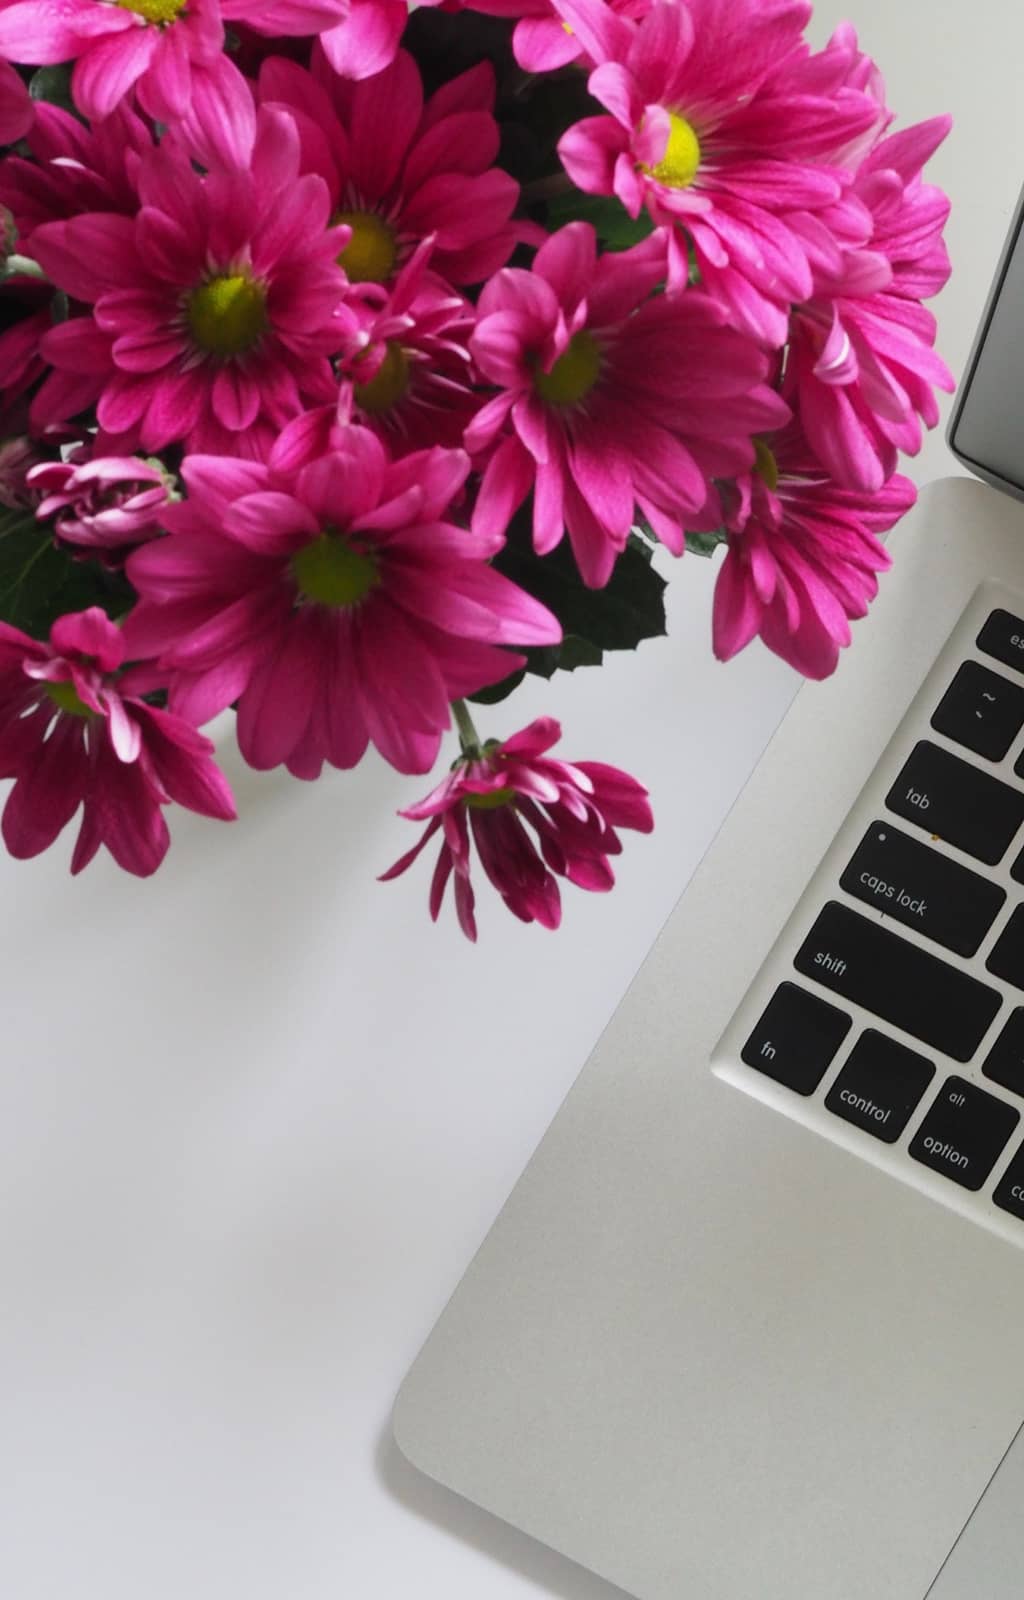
357 361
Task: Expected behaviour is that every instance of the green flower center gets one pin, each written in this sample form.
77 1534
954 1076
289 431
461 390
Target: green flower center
574 374
765 465
370 255
227 315
159 11
490 802
388 384
332 573
678 166
66 698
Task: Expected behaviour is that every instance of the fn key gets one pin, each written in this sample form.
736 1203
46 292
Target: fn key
796 1038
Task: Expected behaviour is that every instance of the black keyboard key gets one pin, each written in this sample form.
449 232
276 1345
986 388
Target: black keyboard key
956 802
880 1086
1003 637
964 1133
1017 870
916 885
1005 1063
796 1038
981 710
1007 957
1009 1191
899 982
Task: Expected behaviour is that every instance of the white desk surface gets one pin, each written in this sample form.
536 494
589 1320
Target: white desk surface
256 1114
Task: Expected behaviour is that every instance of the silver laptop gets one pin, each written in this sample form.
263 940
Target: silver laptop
751 1325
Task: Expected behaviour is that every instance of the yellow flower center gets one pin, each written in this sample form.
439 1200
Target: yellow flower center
388 384
66 698
765 465
678 166
492 801
159 11
369 256
574 374
227 315
330 572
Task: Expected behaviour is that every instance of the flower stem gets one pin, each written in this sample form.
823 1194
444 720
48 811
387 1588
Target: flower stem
22 267
468 736
547 188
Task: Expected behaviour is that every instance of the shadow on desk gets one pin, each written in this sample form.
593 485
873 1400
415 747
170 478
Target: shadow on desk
561 1577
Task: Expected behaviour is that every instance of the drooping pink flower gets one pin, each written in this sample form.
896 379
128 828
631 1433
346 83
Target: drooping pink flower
494 796
400 169
72 734
609 399
862 366
803 556
74 167
169 51
705 129
334 602
367 40
17 459
213 309
540 40
107 503
15 105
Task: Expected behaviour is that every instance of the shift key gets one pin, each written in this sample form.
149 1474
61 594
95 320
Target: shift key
898 981
956 802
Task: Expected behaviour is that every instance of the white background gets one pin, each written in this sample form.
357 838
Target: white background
256 1114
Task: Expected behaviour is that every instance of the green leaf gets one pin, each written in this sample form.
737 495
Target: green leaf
53 84
705 544
39 581
498 691
612 223
628 610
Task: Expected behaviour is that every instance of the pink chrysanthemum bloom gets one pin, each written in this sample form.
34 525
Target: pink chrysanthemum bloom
494 797
862 364
541 40
73 168
21 366
169 51
335 603
72 734
367 40
15 105
107 503
400 170
609 399
213 310
719 160
803 557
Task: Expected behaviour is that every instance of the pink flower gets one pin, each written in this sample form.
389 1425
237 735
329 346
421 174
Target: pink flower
719 158
367 40
21 366
292 18
862 364
493 793
17 458
105 503
171 53
71 735
541 41
609 400
802 558
15 106
333 601
74 168
400 170
213 309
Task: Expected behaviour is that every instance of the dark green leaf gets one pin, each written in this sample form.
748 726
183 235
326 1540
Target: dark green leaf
630 609
612 223
40 581
705 544
53 84
498 691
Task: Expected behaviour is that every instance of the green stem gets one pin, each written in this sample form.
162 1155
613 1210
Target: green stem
22 267
548 188
468 736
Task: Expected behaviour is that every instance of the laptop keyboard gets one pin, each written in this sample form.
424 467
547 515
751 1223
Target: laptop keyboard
890 1014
